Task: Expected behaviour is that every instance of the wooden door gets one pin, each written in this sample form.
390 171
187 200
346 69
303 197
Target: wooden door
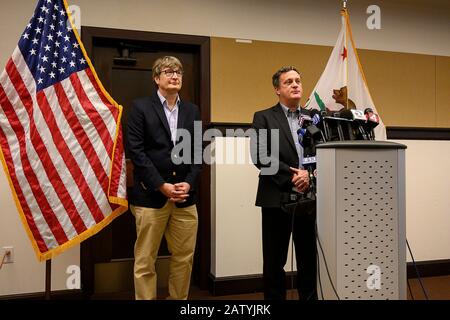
123 61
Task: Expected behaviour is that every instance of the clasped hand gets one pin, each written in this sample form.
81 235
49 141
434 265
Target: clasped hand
300 179
177 192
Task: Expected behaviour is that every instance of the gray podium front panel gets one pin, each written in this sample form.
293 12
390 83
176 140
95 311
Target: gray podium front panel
361 222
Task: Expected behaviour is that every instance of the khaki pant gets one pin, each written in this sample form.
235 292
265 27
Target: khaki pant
179 225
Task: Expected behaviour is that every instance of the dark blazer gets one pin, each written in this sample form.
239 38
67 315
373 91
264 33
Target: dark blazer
271 187
150 147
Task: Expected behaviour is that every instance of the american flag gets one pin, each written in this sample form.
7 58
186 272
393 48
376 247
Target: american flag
60 135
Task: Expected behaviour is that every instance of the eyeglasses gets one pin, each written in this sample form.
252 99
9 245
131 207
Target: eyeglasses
169 73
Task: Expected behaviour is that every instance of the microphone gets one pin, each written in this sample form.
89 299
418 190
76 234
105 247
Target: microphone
301 132
312 123
373 120
308 161
358 115
306 140
310 164
319 121
349 125
346 114
335 121
309 135
304 121
372 117
358 121
316 117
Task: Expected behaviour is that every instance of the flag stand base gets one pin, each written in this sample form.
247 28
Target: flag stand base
48 279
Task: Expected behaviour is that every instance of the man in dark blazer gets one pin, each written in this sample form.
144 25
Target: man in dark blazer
280 191
163 196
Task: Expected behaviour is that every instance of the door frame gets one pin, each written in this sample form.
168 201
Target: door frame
202 44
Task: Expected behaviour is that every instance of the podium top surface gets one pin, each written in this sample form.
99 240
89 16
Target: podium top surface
361 144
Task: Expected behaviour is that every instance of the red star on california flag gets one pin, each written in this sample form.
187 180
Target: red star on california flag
344 54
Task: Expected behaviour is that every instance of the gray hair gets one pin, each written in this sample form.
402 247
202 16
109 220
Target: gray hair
165 62
276 76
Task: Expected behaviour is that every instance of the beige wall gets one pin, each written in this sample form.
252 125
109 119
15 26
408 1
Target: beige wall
427 198
414 26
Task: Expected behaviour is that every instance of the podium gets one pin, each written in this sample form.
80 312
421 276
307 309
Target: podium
361 220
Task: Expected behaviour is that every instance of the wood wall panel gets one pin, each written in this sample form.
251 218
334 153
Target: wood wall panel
241 74
443 92
403 87
409 90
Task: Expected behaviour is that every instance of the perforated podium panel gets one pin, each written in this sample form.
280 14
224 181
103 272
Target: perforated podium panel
361 220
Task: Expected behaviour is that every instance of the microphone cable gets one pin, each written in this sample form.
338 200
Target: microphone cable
292 250
417 272
409 288
292 257
318 274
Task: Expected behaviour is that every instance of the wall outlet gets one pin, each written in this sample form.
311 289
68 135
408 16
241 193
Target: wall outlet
9 258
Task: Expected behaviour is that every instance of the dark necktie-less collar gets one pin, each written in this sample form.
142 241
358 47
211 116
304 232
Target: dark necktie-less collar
293 114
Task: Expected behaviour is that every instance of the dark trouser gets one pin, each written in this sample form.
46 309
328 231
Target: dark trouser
276 231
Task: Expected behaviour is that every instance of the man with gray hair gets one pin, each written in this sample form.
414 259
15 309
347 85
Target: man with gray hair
163 197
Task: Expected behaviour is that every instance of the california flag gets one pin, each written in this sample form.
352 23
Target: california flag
343 84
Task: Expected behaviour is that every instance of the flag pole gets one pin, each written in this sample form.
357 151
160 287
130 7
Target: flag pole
48 279
344 10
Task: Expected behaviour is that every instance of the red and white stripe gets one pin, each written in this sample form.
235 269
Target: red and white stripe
58 145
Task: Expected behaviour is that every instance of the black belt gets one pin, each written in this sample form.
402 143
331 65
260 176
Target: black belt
290 197
303 203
